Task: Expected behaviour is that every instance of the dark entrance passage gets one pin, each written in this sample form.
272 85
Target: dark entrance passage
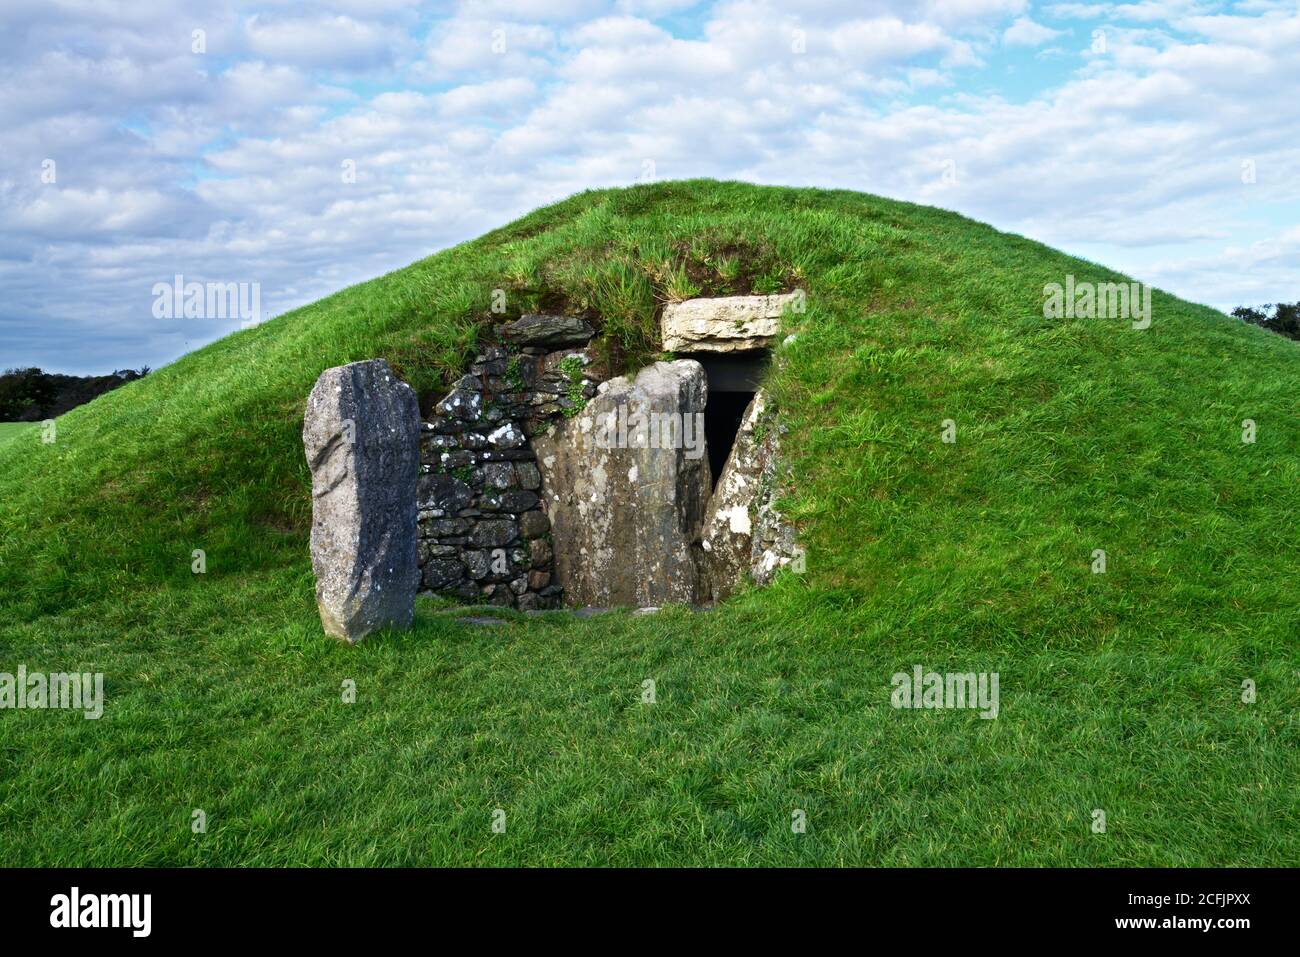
733 379
722 417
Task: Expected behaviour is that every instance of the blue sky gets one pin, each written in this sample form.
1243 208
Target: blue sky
1157 137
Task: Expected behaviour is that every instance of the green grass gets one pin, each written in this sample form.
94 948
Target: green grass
1119 691
10 430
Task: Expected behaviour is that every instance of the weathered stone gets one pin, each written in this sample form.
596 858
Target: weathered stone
534 524
727 538
509 455
441 426
508 436
729 324
494 533
518 500
625 521
775 545
550 331
529 477
445 527
476 563
441 573
361 434
456 459
433 443
499 475
461 404
537 580
539 550
444 492
430 550
500 595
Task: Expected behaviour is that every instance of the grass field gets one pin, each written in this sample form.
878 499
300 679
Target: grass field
9 430
1120 691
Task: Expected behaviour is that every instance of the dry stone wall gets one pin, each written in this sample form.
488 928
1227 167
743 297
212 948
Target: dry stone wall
483 534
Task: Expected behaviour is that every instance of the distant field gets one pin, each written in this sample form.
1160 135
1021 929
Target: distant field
8 430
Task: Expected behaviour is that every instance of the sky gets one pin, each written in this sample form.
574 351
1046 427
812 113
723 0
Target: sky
300 148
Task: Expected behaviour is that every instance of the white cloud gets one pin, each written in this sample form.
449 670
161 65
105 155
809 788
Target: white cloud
1025 32
229 165
323 41
495 97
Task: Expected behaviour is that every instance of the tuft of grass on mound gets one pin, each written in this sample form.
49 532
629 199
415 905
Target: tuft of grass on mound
1120 691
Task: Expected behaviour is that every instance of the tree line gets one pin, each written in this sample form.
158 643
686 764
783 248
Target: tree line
1282 318
31 395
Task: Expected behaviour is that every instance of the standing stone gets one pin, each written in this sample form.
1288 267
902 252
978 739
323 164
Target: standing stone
727 539
361 435
625 512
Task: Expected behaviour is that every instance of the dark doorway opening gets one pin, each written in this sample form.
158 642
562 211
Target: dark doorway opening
722 417
733 379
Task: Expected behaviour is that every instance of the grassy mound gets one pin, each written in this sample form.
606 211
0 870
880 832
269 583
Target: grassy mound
10 430
1120 691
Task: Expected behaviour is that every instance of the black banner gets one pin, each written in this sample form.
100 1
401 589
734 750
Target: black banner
333 907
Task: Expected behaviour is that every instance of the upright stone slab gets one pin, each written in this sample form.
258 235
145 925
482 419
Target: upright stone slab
625 511
727 537
361 435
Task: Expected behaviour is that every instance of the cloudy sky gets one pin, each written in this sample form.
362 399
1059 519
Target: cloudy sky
305 148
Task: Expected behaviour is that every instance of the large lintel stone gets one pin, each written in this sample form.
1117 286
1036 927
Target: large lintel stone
728 324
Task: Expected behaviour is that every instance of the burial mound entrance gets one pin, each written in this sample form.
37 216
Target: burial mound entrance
733 380
524 501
